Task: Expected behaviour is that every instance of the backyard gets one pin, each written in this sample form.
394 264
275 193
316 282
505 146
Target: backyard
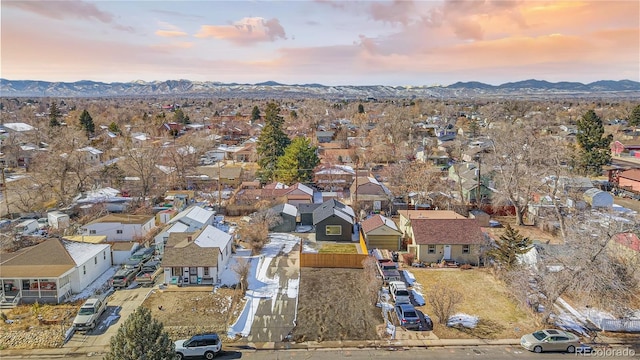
483 296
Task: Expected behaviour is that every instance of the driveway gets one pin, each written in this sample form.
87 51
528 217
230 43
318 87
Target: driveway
120 305
274 317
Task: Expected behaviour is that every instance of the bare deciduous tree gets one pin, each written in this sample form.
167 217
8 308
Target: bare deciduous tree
588 269
241 268
444 300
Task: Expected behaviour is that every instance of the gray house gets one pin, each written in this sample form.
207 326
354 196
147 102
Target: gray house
334 221
306 213
288 213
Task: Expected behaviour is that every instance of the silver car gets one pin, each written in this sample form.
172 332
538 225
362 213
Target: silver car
550 340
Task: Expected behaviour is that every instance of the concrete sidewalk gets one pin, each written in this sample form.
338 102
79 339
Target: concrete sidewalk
249 346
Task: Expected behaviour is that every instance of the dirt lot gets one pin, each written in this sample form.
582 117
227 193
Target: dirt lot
186 311
21 329
483 296
332 305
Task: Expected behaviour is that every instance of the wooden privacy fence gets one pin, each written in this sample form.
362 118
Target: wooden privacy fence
352 261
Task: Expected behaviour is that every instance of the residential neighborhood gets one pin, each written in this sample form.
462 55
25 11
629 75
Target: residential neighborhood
253 244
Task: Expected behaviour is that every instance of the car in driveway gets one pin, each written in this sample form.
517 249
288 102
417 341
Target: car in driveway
408 317
198 346
89 313
399 292
550 340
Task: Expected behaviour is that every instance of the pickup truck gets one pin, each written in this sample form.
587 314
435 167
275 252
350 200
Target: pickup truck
87 317
123 277
389 271
149 273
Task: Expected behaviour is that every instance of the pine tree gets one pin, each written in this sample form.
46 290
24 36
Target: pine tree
113 127
141 337
360 109
634 118
255 114
509 246
271 142
54 115
593 144
86 121
298 162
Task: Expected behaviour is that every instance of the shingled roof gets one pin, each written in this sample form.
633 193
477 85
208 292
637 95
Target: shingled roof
47 259
377 221
446 231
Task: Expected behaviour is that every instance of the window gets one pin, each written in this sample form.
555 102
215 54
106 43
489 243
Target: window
206 271
104 255
84 270
92 232
118 231
431 249
465 249
333 230
95 260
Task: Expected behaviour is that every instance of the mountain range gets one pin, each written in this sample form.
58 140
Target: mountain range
272 89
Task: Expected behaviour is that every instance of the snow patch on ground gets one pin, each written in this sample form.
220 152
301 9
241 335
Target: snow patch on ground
408 275
292 288
260 285
97 284
417 297
465 320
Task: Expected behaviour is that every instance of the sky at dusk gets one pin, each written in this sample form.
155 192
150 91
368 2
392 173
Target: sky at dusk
323 41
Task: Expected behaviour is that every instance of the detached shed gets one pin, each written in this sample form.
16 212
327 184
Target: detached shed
597 198
482 217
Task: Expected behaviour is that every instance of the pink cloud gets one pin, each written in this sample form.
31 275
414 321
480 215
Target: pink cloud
246 31
399 11
170 31
60 10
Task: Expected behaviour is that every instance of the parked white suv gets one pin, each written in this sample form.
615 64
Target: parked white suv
399 292
207 345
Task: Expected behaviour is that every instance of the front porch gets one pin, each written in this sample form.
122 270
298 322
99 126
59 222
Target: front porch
43 290
190 276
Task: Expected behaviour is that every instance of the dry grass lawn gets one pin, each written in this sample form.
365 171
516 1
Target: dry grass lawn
333 305
191 310
483 296
338 249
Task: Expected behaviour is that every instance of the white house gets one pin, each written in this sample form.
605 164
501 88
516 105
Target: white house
195 217
196 258
93 156
189 220
120 227
52 270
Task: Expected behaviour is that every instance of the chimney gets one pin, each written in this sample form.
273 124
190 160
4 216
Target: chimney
189 238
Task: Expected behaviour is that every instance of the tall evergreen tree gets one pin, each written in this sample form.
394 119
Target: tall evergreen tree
360 109
255 114
298 162
54 115
86 121
509 246
593 145
634 118
141 337
271 142
180 117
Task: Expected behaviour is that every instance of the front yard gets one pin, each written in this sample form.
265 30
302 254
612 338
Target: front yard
483 296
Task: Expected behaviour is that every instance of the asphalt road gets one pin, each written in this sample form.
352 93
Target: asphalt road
476 352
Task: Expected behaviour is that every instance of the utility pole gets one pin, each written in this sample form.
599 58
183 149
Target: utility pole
4 192
219 179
